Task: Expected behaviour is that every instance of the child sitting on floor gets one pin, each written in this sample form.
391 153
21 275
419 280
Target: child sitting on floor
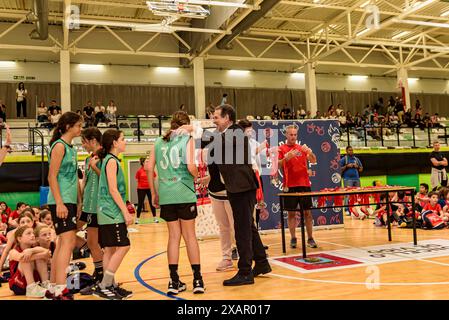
421 199
28 265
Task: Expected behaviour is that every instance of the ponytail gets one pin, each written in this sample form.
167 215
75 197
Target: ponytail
67 119
107 142
179 119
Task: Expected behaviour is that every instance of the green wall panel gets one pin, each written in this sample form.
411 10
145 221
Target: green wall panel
11 198
368 181
425 178
409 180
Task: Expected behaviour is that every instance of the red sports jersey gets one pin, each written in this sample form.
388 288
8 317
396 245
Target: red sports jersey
422 196
142 179
17 281
295 169
436 208
14 215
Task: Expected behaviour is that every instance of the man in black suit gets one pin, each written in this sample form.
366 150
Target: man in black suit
231 156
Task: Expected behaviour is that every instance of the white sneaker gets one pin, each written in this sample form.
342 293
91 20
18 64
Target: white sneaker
224 265
136 221
45 284
35 291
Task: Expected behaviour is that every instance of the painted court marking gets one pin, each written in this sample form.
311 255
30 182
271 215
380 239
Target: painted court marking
364 256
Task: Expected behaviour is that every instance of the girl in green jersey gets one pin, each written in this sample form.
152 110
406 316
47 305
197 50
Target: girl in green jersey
113 215
91 139
173 155
64 199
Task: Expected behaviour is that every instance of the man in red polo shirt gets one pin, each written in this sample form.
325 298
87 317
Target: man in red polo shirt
293 160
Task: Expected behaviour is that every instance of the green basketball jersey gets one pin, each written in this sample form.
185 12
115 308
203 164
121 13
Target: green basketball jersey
67 175
90 195
175 181
108 211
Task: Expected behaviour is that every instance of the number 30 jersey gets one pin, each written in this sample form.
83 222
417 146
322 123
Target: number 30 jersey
176 184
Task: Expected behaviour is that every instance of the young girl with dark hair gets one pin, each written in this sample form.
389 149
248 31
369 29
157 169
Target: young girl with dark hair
64 199
91 139
173 155
143 189
113 216
28 265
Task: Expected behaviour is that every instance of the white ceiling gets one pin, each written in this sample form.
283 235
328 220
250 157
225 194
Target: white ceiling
292 33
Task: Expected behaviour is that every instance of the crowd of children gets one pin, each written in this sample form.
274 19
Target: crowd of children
431 209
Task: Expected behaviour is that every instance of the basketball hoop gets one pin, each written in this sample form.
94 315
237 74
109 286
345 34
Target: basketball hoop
177 9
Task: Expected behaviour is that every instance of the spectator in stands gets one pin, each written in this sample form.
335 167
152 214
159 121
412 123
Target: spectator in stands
55 118
6 147
330 109
318 115
182 107
210 110
434 121
342 119
224 100
42 112
111 111
349 120
339 109
308 115
286 112
427 121
53 106
418 121
2 113
275 113
392 101
417 104
399 109
89 114
408 118
366 111
21 100
99 113
438 175
300 113
379 105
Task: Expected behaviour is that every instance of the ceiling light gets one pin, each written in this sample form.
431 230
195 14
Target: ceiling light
358 77
297 75
238 72
91 67
167 69
445 14
7 64
412 79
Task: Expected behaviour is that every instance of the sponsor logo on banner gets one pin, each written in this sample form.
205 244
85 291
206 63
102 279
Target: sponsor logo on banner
356 257
336 178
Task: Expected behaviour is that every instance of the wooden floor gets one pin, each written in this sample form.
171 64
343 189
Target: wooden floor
415 279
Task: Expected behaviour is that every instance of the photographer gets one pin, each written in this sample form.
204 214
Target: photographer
351 167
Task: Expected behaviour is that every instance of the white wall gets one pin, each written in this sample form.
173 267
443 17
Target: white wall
141 75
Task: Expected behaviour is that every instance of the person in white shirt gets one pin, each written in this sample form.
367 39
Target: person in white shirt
42 112
111 110
55 117
99 113
21 101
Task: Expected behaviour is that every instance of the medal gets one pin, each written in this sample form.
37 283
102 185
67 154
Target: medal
285 189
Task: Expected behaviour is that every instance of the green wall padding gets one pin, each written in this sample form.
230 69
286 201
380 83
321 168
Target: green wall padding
368 181
409 180
11 198
425 178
